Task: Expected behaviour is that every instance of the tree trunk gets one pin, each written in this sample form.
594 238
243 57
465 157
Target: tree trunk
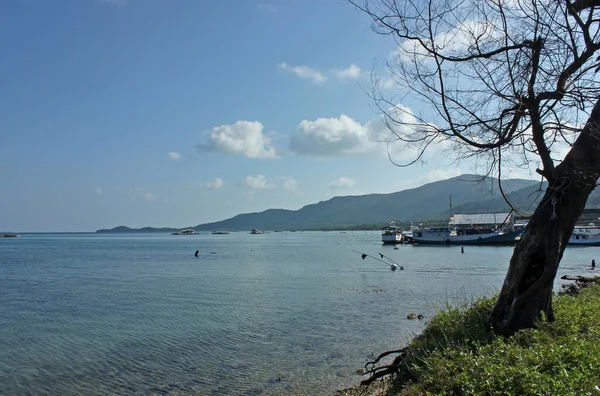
527 289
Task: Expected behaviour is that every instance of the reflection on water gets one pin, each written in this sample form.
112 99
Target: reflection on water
274 313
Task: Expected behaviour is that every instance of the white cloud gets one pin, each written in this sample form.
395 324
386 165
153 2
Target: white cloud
99 191
258 182
267 7
289 184
352 72
174 155
304 72
214 185
326 137
342 182
243 138
452 42
343 136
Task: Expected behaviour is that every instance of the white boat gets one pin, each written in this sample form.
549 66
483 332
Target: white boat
256 231
391 235
187 231
587 230
579 238
471 229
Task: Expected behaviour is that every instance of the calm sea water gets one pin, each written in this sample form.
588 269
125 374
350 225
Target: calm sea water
277 313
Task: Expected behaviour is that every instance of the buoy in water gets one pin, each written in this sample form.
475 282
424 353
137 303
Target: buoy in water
462 249
197 253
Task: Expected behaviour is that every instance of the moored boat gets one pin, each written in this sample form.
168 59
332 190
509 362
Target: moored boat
391 235
187 231
471 229
584 239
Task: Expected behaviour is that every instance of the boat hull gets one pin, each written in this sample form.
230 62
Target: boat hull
391 239
445 238
580 239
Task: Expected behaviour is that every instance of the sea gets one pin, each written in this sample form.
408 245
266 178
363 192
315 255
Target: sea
278 313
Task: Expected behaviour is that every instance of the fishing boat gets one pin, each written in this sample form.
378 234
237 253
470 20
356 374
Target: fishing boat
187 231
471 229
579 238
391 235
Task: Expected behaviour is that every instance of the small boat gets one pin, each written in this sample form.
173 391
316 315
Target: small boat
584 239
587 230
10 236
256 231
187 231
391 235
220 232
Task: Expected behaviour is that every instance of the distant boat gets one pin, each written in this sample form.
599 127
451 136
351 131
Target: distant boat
391 235
220 232
256 231
187 231
10 236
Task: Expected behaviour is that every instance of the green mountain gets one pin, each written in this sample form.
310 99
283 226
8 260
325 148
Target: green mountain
431 201
427 203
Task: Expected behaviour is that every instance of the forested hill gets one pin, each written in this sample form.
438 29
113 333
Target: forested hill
427 202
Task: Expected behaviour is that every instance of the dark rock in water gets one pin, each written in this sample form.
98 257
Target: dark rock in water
412 315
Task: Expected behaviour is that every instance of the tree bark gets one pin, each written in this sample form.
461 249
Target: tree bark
527 290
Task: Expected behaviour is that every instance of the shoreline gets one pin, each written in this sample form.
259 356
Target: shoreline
458 330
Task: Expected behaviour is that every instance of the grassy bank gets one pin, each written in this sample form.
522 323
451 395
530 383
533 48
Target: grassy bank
455 354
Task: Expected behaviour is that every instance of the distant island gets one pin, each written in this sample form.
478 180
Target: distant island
428 204
124 229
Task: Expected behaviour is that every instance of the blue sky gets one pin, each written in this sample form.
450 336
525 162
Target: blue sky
176 113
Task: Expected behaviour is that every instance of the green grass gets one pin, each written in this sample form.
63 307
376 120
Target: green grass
455 354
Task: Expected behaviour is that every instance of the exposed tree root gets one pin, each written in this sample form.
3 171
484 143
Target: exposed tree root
381 371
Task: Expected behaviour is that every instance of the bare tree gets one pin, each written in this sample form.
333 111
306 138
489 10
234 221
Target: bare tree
507 82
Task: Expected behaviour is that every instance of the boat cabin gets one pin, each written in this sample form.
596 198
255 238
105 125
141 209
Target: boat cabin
476 223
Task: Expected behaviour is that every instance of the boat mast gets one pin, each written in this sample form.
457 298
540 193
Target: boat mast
450 212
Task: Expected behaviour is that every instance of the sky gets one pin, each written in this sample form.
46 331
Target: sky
177 113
